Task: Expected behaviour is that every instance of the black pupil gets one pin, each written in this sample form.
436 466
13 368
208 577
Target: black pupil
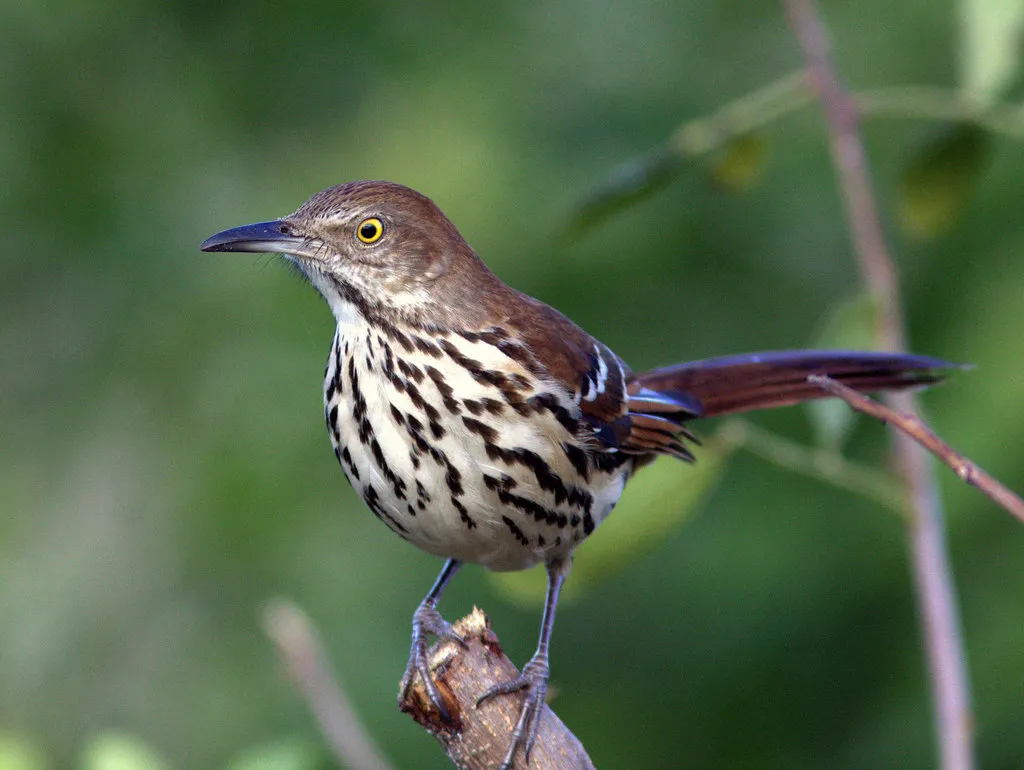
369 230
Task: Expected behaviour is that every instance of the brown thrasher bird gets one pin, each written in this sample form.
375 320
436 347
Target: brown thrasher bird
484 426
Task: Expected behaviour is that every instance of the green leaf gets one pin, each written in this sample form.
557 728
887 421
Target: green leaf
658 500
18 753
625 186
284 754
940 180
850 326
741 165
990 46
114 750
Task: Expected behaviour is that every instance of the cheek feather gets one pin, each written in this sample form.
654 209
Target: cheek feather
410 298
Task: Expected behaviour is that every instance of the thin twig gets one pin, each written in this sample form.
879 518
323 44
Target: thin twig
932 574
911 424
851 164
931 103
744 115
823 464
786 95
302 653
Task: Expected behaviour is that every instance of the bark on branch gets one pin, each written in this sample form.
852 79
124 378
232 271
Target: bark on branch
477 738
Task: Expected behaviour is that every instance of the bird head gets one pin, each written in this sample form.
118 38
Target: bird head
377 247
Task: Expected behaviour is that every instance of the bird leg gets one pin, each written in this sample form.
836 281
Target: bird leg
427 621
534 677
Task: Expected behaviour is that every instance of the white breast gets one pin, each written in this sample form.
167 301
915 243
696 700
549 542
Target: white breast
425 433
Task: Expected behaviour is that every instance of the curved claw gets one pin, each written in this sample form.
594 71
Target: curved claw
534 680
427 621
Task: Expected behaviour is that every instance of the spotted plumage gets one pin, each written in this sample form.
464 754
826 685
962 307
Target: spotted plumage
484 426
466 453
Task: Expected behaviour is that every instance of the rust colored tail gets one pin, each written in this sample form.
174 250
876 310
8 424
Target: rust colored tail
731 384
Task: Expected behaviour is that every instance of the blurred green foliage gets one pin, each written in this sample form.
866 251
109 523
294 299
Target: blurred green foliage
940 180
119 751
165 468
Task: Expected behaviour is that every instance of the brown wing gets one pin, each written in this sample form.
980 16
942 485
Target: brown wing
616 416
644 414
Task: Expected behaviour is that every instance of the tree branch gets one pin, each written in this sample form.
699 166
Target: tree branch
827 465
932 574
302 653
931 103
911 424
477 738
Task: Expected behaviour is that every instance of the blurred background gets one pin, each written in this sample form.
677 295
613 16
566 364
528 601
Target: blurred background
166 471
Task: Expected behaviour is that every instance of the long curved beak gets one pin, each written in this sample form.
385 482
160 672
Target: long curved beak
276 237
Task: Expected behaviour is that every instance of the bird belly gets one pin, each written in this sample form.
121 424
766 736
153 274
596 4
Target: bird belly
440 454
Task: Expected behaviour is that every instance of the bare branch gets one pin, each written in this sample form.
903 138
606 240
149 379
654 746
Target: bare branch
931 569
848 155
931 103
302 653
477 738
911 424
752 111
824 464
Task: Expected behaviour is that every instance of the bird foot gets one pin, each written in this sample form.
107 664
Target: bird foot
533 679
427 621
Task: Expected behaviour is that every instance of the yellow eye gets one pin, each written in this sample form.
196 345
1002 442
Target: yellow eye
370 230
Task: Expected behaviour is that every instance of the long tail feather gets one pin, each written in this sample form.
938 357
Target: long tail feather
779 378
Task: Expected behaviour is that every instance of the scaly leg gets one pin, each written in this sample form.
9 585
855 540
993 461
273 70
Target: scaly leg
534 678
427 621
